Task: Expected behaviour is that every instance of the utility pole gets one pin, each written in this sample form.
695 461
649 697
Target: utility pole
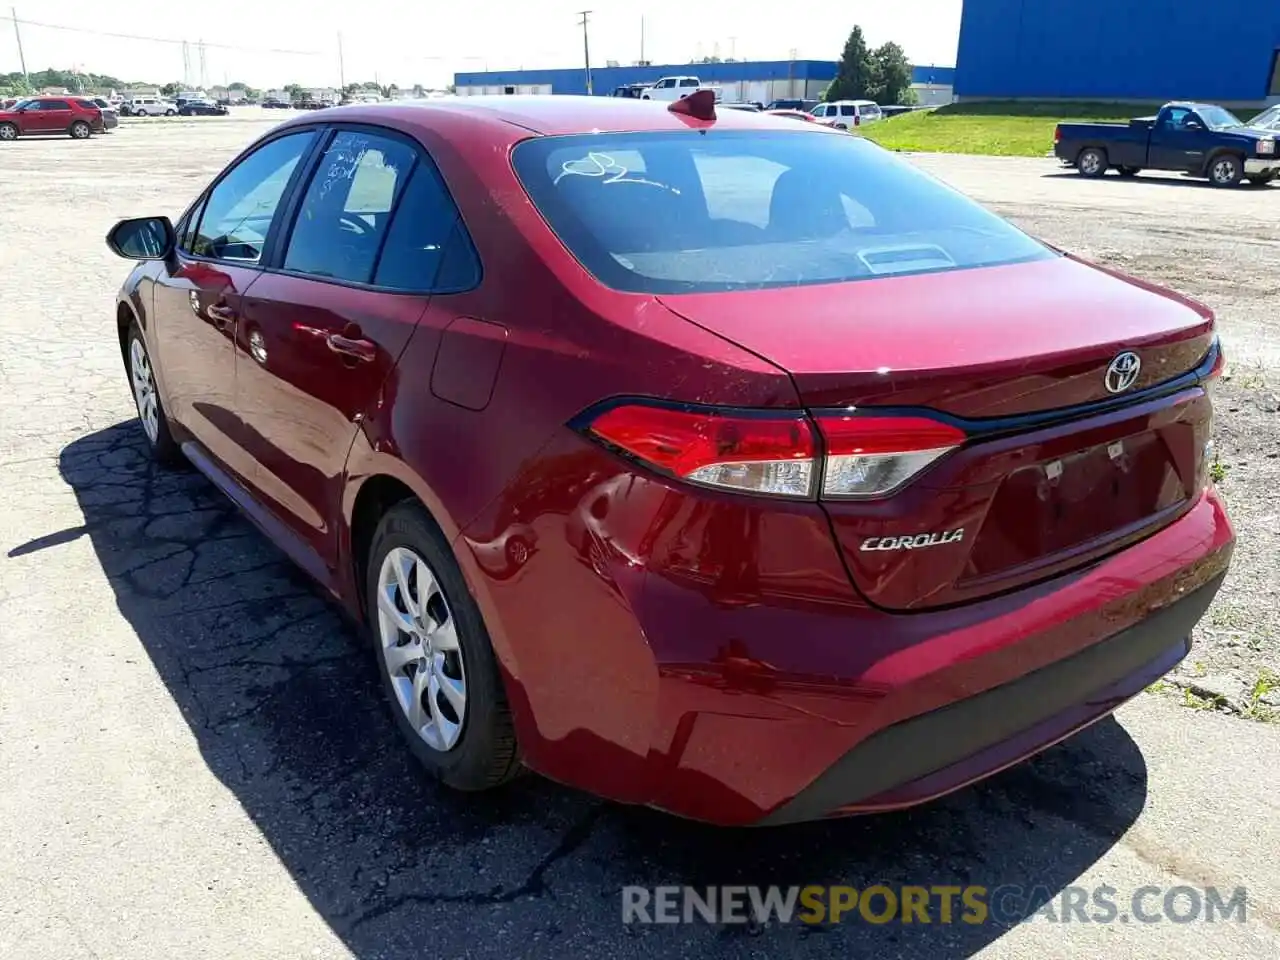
642 38
586 50
22 57
342 77
733 48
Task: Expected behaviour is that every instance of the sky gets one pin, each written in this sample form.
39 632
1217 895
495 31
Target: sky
269 43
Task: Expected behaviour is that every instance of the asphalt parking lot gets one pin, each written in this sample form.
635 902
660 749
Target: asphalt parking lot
195 762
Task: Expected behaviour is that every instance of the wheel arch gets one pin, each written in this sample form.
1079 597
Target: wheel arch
1232 149
376 482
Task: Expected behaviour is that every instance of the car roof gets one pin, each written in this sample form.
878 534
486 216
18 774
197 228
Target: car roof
552 115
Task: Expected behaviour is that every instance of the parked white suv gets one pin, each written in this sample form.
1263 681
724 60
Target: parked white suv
149 107
844 114
672 88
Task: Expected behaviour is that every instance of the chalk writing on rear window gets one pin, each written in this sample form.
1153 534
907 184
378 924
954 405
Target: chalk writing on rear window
607 169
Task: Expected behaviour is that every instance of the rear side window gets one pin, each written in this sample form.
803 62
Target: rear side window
688 82
56 105
347 208
428 247
690 211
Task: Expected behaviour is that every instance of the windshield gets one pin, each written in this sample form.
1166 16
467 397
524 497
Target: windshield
699 211
1267 118
1218 118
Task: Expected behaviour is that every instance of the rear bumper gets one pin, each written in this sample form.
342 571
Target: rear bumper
1262 167
939 751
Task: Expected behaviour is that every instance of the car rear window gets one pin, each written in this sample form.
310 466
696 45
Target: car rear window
697 211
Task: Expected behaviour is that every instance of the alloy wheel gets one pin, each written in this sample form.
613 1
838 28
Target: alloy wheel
7 132
1090 163
144 389
1224 171
419 640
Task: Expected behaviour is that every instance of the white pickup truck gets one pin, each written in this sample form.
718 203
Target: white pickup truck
675 88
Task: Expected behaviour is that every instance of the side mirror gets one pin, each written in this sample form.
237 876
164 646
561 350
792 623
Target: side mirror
142 238
1193 125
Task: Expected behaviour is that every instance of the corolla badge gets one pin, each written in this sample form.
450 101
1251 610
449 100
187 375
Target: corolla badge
917 542
1123 372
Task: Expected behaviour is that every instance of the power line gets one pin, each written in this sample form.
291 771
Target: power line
134 36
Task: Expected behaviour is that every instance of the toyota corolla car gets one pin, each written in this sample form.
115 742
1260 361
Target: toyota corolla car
704 460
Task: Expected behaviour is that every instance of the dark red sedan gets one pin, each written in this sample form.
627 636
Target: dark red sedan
44 116
729 466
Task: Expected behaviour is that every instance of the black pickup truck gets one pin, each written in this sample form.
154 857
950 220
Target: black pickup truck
1195 138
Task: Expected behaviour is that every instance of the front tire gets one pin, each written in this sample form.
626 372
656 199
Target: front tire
8 131
437 665
1092 162
80 130
146 398
171 113
1225 170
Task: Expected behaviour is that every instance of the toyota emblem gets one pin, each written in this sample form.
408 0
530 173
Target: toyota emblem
1123 372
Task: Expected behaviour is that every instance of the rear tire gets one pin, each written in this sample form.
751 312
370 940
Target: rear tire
1225 170
8 131
427 632
80 130
1092 162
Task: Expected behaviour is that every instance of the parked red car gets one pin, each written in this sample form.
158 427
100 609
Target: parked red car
731 467
74 116
793 115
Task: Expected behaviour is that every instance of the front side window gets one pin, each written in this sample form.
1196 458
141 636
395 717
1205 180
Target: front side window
693 212
347 208
240 207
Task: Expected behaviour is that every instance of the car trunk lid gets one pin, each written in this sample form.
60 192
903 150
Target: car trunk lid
1067 453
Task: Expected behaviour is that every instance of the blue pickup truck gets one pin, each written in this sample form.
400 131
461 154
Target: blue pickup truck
1199 139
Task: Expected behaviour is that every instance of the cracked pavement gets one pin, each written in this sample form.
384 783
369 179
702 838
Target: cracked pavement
195 760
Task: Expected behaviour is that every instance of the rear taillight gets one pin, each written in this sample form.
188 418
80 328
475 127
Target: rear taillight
754 453
870 456
1057 134
849 455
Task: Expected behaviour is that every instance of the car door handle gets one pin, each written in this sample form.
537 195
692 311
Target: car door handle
360 349
220 313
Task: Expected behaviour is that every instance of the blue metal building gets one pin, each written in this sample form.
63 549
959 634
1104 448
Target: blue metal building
762 80
1224 52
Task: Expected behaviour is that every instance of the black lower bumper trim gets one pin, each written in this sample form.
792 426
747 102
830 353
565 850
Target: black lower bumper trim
923 745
